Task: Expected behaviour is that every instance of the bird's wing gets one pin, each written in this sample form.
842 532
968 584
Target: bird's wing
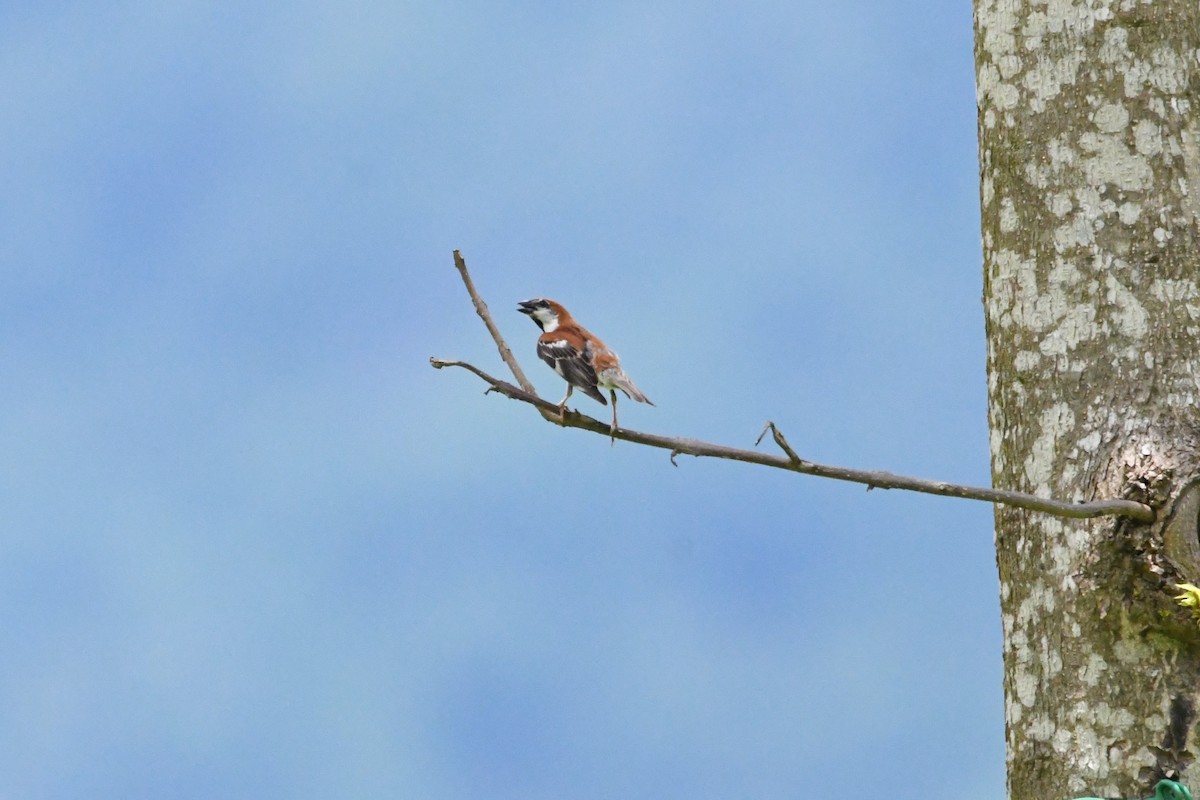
571 364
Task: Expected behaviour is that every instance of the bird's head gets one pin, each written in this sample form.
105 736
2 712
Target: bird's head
546 313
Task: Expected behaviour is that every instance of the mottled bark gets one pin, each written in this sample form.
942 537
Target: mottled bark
1089 142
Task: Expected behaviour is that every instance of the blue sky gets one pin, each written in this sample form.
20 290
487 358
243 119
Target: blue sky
254 546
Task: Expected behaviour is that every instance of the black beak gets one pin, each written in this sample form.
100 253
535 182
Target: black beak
525 307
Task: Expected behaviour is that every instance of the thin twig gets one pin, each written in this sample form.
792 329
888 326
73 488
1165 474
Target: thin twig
482 310
871 478
793 462
777 435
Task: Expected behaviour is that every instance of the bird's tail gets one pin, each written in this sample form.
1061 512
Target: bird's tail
627 386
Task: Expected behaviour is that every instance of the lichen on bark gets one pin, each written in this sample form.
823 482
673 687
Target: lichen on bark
1089 143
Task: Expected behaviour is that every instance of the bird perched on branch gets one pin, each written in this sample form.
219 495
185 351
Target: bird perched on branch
579 357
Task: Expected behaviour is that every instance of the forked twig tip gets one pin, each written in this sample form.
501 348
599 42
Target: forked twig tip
777 435
770 426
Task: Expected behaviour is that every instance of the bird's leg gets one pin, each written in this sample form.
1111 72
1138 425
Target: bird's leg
612 431
562 406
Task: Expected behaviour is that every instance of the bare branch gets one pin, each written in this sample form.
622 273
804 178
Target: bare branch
791 461
481 309
497 385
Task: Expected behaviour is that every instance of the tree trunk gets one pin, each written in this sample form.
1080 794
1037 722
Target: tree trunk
1089 144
